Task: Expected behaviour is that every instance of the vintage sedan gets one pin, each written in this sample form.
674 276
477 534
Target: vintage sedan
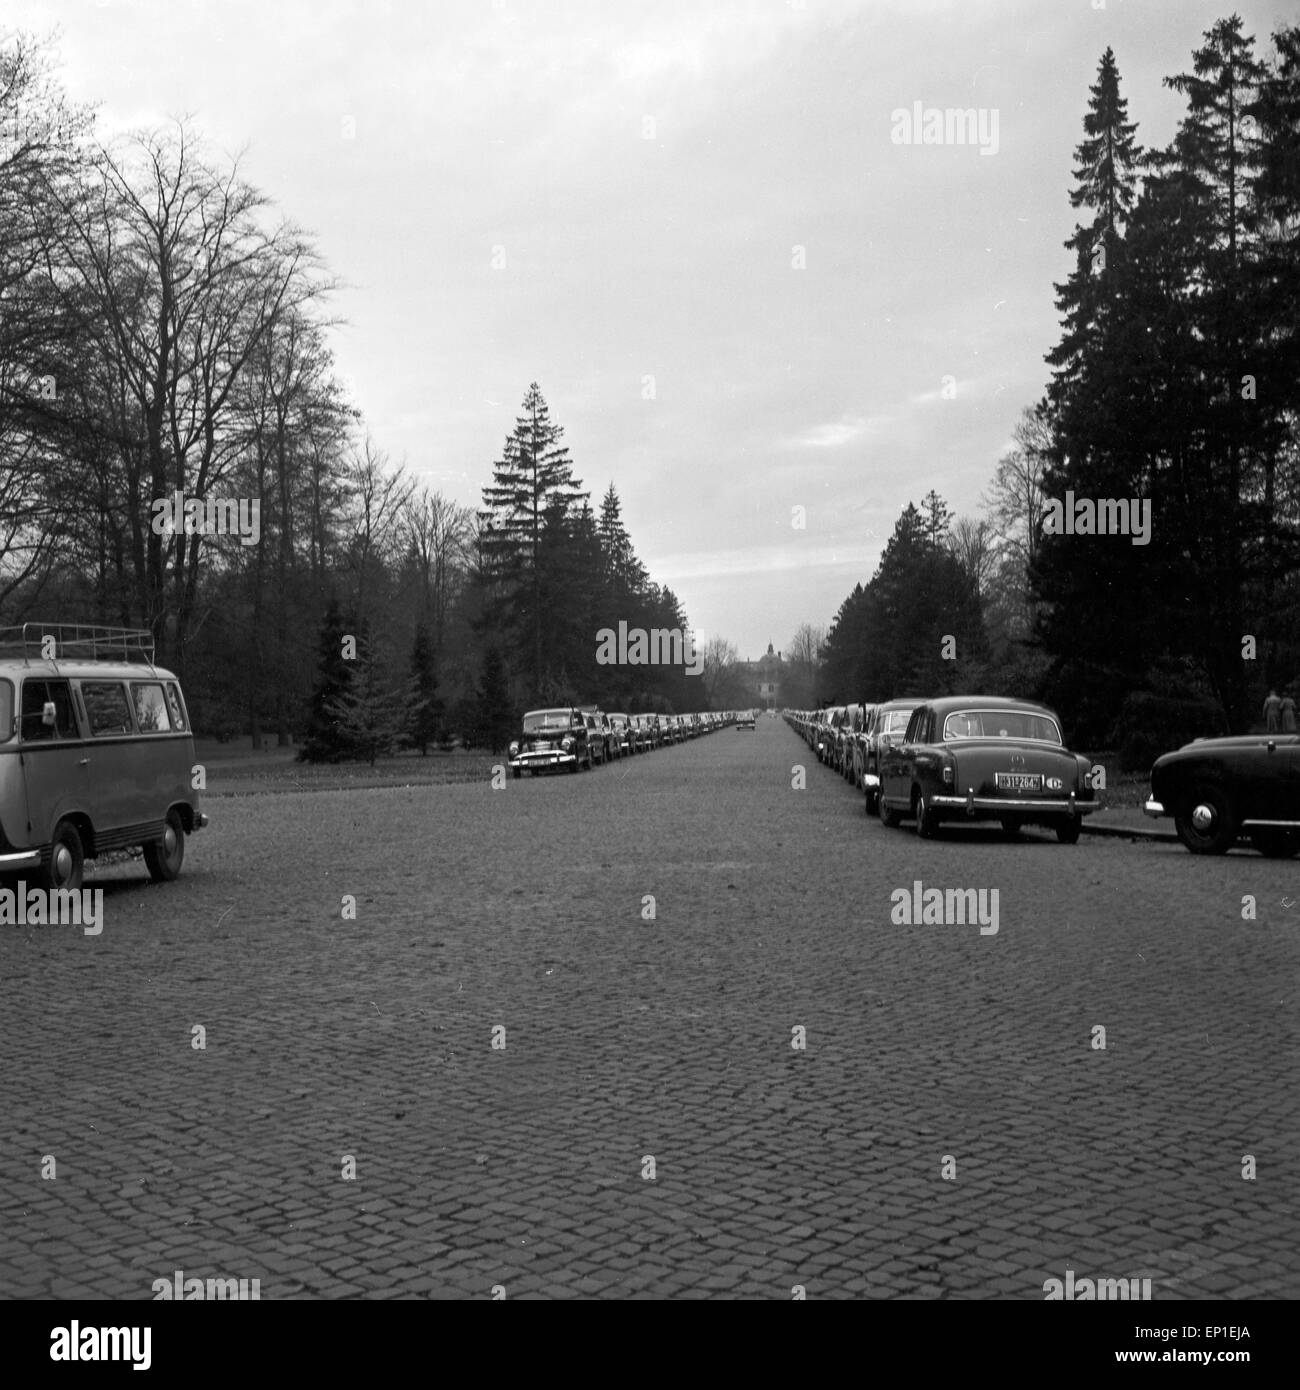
549 740
981 757
888 725
1218 788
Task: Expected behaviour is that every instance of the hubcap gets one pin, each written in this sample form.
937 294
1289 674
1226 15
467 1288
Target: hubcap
1203 817
169 841
62 863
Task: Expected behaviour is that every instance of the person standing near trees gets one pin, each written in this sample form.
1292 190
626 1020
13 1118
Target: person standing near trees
1272 713
1287 712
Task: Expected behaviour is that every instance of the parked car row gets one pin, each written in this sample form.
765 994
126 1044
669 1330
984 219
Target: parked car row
959 758
568 738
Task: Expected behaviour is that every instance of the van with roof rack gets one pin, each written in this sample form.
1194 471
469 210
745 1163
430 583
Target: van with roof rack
96 753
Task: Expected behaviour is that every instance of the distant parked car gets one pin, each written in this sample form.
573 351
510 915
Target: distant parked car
550 740
745 719
1216 788
983 757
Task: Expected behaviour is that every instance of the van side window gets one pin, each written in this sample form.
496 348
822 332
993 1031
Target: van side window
35 695
106 708
150 708
175 706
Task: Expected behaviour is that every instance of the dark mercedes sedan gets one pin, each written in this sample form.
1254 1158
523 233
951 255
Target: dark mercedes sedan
1218 788
984 757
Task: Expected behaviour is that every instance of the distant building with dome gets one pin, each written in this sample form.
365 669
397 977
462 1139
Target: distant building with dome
765 676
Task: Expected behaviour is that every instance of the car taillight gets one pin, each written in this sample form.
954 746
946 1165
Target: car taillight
948 774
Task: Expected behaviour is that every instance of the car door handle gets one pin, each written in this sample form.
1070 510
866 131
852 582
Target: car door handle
81 762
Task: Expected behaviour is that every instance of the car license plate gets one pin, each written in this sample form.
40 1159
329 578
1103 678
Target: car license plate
1019 781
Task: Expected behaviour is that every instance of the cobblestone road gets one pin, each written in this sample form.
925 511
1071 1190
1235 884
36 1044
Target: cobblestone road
928 1048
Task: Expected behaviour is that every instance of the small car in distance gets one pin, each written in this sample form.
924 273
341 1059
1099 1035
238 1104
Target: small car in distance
983 757
1217 788
745 719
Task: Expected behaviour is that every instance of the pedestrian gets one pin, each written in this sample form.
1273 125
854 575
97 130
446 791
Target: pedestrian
1272 713
1288 711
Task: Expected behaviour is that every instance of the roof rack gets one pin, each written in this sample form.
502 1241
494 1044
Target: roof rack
39 641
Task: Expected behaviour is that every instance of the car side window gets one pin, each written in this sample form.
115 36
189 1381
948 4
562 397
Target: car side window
914 726
150 708
35 695
106 708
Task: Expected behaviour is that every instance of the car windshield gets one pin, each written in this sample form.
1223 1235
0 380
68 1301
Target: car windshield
541 720
1001 723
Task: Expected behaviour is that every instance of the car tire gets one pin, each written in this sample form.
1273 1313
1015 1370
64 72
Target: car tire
889 818
165 856
1275 842
1207 823
1067 831
926 824
518 772
1011 827
67 859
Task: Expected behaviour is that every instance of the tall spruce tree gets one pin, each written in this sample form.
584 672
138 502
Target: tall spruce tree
534 488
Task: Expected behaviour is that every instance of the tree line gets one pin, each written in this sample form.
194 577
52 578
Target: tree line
166 334
1176 381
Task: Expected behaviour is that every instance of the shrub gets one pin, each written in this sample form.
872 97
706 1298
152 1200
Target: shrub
1149 724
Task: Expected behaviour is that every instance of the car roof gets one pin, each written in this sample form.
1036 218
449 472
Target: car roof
947 704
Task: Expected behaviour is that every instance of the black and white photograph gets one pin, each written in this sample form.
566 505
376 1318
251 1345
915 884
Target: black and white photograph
649 652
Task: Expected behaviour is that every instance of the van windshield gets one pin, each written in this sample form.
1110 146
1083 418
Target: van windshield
6 711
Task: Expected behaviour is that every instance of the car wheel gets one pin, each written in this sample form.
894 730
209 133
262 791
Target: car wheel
1067 831
518 772
1206 823
1275 842
888 817
67 859
165 856
926 824
1011 827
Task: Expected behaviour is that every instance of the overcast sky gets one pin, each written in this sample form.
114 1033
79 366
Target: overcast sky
646 171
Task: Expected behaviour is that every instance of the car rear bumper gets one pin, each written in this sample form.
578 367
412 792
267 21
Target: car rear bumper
1004 805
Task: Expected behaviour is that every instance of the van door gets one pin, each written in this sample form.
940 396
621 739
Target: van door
112 749
56 772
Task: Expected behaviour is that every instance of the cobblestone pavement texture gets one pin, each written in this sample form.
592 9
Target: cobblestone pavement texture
627 1038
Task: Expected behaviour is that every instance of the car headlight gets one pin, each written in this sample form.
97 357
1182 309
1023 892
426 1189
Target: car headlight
514 750
566 744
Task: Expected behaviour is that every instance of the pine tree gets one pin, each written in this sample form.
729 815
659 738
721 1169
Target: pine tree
370 715
534 484
496 716
325 741
424 714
